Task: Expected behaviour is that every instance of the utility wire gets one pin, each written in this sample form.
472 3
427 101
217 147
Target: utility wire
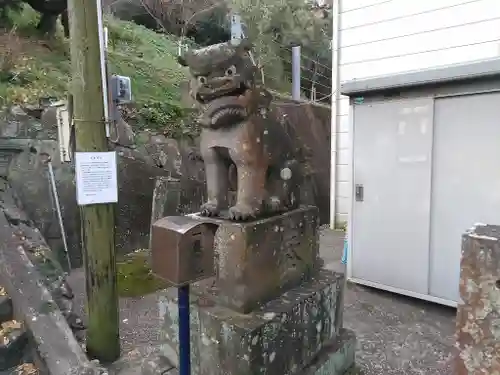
306 57
289 61
303 68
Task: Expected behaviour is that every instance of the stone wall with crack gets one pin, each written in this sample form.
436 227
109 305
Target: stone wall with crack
23 136
143 157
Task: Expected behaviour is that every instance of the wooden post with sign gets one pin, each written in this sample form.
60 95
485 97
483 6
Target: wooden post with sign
98 220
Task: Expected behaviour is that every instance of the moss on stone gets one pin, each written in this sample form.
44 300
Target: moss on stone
135 277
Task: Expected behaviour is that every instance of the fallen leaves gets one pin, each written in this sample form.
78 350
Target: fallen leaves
6 328
26 369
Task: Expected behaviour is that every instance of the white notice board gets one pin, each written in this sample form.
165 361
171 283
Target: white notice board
96 177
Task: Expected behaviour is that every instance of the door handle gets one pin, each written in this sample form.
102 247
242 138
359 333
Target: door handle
359 193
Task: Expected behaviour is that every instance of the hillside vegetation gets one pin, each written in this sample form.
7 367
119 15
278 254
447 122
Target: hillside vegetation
32 67
273 26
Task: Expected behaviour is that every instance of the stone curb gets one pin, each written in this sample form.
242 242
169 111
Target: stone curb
33 304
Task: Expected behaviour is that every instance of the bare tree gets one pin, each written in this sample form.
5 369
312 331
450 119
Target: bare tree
173 16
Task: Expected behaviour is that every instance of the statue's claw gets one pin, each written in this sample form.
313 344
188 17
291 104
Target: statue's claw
210 209
273 204
242 212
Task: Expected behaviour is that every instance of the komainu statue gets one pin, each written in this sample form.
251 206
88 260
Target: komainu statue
237 132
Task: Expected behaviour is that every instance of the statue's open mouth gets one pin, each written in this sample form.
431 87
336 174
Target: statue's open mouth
223 109
205 96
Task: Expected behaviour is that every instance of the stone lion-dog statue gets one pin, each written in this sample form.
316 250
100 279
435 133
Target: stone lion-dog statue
236 132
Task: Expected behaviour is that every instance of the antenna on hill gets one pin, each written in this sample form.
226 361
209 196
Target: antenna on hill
236 29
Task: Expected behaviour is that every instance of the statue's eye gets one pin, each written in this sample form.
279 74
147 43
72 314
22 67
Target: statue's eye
202 79
231 71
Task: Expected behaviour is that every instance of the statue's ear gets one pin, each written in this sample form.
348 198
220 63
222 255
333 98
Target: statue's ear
182 60
186 58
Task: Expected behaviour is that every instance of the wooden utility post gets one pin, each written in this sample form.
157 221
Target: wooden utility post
98 222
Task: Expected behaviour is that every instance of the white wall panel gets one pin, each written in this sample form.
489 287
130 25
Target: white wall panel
381 37
406 63
343 106
444 18
343 189
389 11
439 40
354 5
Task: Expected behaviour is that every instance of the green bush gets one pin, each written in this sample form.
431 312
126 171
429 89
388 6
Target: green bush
8 11
31 67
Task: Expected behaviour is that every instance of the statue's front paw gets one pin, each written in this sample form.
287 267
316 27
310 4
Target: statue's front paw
210 208
194 155
243 212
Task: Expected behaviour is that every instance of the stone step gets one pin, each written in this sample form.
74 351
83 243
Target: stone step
13 336
336 357
5 158
6 311
13 342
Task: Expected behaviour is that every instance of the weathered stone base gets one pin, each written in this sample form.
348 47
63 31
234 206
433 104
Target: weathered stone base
281 338
256 261
336 357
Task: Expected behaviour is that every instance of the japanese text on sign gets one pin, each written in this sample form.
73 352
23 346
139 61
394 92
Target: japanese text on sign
96 178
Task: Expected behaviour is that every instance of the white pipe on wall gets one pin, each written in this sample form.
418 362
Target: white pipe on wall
103 38
336 9
296 72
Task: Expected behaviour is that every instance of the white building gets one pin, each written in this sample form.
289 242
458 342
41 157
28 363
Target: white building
393 41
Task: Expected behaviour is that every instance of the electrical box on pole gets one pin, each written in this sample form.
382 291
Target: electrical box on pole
121 89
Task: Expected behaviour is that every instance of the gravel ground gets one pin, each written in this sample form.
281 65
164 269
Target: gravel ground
396 335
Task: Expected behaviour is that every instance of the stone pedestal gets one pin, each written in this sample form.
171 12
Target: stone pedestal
256 261
270 309
336 357
280 338
478 313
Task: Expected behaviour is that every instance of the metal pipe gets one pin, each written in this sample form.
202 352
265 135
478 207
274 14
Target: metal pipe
236 30
336 12
184 334
103 38
52 183
296 72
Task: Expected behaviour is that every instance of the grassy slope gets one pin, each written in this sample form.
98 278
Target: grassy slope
34 68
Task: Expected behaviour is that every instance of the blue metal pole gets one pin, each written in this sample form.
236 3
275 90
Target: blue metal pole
184 335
